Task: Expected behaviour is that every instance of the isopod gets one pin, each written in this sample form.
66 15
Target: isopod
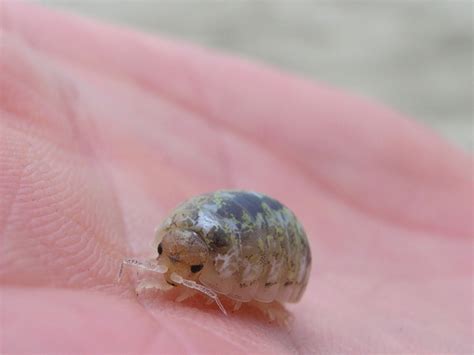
239 244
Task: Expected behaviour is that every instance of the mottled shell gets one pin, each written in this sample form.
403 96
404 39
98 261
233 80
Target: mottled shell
257 248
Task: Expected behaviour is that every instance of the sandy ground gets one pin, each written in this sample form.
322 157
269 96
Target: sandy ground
415 56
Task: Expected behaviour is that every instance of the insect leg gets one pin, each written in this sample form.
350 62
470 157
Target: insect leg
191 284
153 283
209 301
185 294
275 312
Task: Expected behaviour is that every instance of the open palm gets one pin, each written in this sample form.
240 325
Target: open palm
103 131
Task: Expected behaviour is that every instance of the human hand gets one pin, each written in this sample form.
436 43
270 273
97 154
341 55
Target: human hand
103 131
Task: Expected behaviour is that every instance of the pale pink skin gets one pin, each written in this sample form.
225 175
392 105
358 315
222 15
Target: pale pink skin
104 130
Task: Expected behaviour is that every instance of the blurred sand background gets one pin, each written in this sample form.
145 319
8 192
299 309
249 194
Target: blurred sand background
415 56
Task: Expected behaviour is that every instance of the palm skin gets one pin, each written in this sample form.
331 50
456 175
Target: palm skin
103 131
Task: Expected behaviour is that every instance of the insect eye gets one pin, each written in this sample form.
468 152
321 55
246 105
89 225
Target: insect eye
160 249
196 268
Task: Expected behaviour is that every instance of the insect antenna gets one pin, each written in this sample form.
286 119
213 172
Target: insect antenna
191 284
145 265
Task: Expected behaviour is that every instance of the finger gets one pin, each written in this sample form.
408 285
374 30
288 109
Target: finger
397 172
